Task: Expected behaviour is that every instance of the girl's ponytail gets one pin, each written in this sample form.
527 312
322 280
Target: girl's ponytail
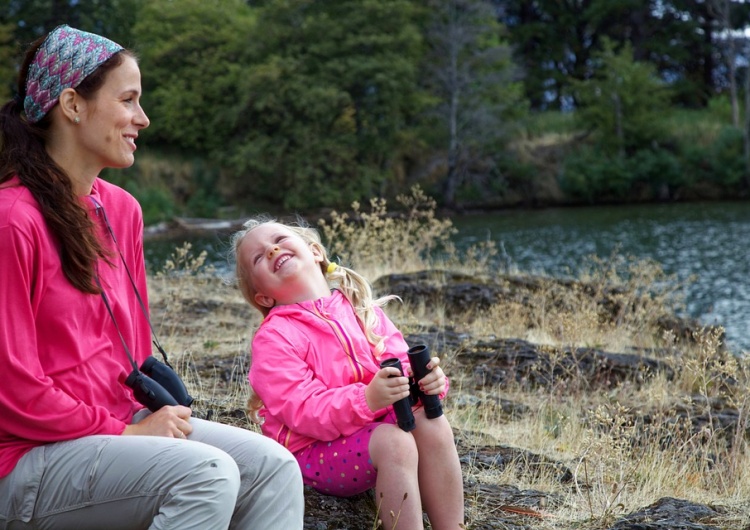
359 293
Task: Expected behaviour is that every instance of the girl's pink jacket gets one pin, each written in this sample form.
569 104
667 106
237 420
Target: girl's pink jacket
310 365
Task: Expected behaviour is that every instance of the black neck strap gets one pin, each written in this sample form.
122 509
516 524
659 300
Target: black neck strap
114 320
100 211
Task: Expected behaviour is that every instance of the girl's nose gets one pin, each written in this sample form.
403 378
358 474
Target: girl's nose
273 251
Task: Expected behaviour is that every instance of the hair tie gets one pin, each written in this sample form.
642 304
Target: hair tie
331 267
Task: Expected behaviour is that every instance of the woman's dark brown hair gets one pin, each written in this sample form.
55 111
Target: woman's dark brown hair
23 153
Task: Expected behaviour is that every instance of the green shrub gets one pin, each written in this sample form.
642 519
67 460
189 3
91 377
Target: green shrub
720 162
589 176
656 168
541 123
158 204
727 160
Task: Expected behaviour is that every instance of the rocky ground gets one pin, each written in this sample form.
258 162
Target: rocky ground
206 327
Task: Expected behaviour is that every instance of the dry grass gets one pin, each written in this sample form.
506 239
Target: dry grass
376 242
621 461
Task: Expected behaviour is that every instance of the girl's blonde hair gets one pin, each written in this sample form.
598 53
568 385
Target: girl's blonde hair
352 285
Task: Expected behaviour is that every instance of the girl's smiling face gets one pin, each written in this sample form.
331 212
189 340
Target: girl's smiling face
280 266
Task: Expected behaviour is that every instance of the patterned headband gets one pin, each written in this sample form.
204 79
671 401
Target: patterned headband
65 58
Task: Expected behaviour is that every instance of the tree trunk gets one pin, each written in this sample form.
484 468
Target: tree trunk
618 124
721 10
733 83
451 179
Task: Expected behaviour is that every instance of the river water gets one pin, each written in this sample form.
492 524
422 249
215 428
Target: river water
708 241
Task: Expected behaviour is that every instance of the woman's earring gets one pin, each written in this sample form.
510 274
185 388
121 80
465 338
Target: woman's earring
77 120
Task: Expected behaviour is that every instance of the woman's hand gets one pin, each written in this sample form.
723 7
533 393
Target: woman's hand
433 383
385 390
169 421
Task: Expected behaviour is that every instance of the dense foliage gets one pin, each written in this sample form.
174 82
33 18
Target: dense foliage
297 104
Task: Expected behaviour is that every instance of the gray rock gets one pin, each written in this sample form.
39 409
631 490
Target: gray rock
671 514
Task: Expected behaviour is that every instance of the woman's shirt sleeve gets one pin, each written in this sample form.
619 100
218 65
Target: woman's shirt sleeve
32 406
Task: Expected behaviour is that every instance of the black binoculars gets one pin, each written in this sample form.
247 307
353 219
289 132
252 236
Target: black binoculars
156 385
402 407
419 357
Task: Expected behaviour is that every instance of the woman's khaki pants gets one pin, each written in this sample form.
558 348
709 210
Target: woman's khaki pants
220 477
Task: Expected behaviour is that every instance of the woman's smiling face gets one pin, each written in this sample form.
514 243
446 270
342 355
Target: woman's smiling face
110 122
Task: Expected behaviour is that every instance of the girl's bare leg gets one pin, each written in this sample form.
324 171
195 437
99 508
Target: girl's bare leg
440 479
394 455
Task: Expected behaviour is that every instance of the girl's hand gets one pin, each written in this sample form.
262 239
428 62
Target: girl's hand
385 390
433 383
168 421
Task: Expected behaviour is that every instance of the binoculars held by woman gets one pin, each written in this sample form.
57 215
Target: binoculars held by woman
156 385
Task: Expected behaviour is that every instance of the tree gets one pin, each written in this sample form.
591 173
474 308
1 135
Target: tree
193 56
623 104
328 101
471 73
722 12
555 39
7 58
33 18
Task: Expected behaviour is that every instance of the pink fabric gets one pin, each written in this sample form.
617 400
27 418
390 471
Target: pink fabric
310 365
61 358
342 467
339 468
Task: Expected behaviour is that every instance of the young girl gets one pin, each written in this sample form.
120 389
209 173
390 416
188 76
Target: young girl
318 384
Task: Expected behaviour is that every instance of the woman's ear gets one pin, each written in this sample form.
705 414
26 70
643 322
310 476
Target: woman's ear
264 301
70 103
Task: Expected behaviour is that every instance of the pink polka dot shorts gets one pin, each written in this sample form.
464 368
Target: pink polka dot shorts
341 467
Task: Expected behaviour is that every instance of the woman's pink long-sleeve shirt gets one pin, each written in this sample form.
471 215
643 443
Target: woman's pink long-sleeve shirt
62 362
310 365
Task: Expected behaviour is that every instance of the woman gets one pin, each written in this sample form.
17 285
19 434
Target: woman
76 448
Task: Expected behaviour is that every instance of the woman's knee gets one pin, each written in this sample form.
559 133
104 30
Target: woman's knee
268 460
216 470
286 466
